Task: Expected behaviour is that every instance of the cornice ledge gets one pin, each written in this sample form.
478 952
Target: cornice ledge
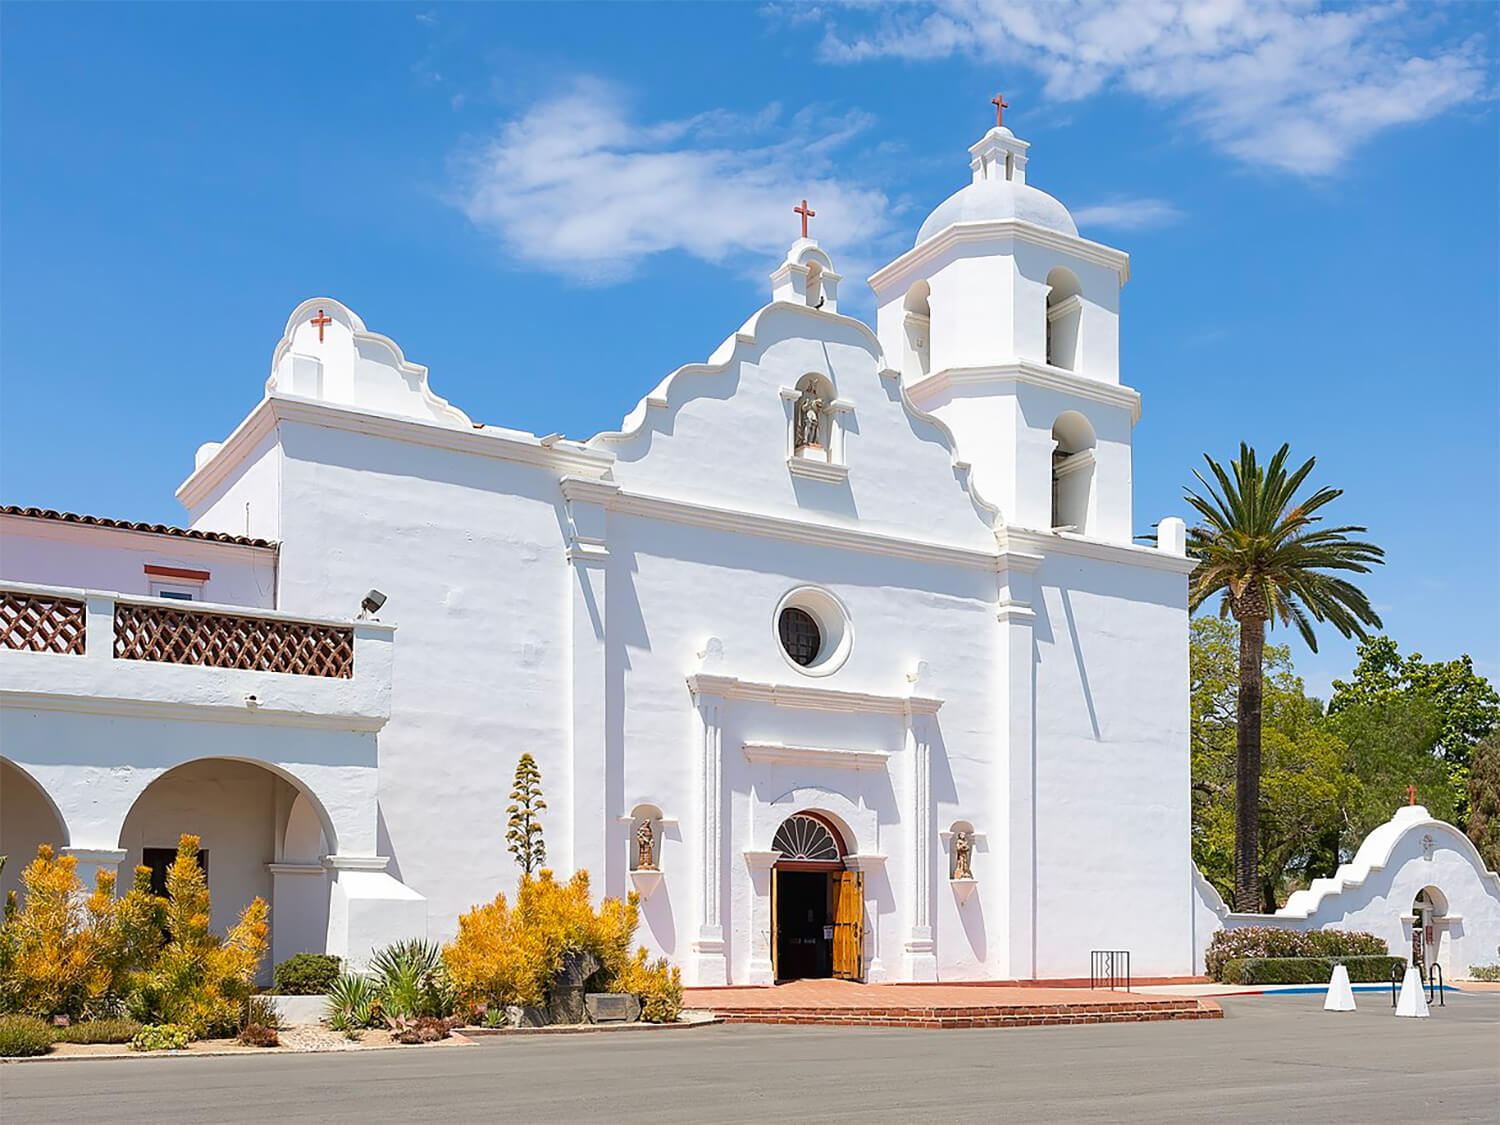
817 470
503 444
1128 554
187 712
957 234
810 698
1032 374
799 531
776 753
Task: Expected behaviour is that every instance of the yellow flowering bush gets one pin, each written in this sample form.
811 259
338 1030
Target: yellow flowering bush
198 979
67 955
657 983
511 955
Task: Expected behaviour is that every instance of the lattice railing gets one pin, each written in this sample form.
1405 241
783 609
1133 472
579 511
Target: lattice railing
41 623
221 640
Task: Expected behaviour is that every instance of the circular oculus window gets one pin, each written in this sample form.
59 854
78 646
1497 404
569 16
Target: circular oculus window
813 630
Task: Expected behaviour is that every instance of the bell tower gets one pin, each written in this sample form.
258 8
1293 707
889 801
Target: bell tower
1004 323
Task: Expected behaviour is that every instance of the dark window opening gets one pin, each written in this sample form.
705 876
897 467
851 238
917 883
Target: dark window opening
159 860
800 635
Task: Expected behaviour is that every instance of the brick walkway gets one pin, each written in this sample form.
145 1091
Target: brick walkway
938 1006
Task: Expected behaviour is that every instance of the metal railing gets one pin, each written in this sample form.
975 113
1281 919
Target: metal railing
1108 968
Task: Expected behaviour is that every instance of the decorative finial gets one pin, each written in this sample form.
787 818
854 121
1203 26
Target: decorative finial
1001 105
806 214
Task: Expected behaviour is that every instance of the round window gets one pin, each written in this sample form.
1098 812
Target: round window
800 635
813 629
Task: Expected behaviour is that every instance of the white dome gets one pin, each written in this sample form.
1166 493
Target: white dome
992 200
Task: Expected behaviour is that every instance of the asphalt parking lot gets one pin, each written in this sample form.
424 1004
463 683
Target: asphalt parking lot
1270 1059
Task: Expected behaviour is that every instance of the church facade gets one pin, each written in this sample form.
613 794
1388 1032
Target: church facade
840 651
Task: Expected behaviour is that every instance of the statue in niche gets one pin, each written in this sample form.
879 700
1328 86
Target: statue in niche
645 847
809 423
963 851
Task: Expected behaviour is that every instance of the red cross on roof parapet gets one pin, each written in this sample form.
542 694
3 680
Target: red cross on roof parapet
321 320
806 214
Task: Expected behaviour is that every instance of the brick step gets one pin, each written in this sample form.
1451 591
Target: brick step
1039 1016
946 1011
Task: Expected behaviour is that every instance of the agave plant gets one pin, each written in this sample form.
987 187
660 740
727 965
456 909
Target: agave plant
411 980
352 1002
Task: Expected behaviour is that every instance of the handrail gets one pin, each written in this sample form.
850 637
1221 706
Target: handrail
1109 966
1435 983
1398 974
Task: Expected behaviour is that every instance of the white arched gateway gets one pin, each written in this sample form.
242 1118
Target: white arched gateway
1416 881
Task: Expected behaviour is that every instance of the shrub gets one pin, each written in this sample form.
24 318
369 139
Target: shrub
1308 970
422 1029
511 956
411 980
1484 972
658 984
64 954
351 1003
1260 942
198 979
22 1036
307 974
261 1010
97 1031
258 1035
160 1037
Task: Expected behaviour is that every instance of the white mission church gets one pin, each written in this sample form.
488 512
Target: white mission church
852 619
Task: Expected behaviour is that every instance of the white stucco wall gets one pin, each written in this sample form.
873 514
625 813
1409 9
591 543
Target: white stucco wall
53 553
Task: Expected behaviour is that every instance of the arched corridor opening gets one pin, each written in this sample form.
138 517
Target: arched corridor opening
260 835
28 819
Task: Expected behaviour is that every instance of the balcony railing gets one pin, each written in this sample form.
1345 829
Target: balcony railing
178 633
38 623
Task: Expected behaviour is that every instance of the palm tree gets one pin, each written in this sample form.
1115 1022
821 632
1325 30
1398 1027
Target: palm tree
1262 550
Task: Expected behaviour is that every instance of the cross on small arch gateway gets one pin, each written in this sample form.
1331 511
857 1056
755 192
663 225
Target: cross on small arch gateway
321 320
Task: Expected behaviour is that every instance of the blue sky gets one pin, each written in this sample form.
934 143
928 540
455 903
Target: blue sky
552 206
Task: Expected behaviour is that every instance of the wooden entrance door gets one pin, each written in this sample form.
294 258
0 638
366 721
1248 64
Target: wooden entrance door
849 925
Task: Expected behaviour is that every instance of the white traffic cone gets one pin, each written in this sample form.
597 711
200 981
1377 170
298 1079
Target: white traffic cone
1340 994
1413 998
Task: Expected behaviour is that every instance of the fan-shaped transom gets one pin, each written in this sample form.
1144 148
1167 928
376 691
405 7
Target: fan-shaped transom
804 838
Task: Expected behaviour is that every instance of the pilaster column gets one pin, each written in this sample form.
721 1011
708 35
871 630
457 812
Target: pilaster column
299 909
93 860
589 813
711 964
1017 697
762 970
873 867
919 957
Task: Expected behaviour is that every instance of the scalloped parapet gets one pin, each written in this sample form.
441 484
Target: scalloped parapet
327 354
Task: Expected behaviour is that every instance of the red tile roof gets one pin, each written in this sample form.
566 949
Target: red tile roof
130 525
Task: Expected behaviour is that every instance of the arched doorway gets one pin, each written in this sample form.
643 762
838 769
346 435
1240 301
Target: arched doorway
1428 913
817 904
28 818
260 835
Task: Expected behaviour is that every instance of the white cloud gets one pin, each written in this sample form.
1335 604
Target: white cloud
1291 84
1126 214
575 186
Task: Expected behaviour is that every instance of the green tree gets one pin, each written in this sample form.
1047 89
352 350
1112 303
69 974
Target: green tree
1305 787
1266 556
1388 746
524 835
1466 705
1484 800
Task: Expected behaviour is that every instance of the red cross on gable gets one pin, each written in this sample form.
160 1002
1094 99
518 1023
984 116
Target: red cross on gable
1411 794
320 320
806 214
1001 105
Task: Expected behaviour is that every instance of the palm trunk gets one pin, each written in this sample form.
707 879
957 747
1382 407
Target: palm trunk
1247 892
